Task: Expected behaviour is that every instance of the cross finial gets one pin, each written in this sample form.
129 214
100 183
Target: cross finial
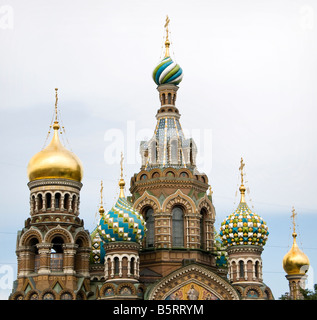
121 165
56 100
294 214
241 169
167 43
101 195
121 181
56 125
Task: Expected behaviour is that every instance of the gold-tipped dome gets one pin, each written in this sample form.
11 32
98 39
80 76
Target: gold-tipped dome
55 161
295 261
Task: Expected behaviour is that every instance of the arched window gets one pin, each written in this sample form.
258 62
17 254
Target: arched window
34 255
174 153
178 227
73 203
241 269
48 198
57 200
203 230
132 266
66 201
57 254
32 204
116 265
256 271
149 219
154 152
40 202
169 98
163 98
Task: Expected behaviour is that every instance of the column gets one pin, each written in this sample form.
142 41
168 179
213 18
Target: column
44 250
69 258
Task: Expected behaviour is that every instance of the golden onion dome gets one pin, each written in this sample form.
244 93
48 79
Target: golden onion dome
295 260
55 162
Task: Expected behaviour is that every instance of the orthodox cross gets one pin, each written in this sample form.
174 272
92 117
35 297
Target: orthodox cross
121 165
56 100
101 191
293 217
241 169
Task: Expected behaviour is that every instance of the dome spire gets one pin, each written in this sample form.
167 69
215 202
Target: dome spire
295 261
55 161
294 214
121 181
101 209
167 42
56 124
242 187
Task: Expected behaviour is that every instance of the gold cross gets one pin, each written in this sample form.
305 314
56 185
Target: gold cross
56 99
101 191
121 165
241 169
167 22
294 214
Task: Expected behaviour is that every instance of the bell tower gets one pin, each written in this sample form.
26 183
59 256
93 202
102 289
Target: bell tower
53 248
169 191
295 264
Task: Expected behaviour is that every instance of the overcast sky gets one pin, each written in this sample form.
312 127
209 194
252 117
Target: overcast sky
249 90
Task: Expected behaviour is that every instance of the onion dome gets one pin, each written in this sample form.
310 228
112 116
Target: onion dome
122 222
295 261
167 71
55 161
243 227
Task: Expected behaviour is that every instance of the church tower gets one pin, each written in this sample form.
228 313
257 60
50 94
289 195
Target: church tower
244 233
121 230
169 191
295 264
53 248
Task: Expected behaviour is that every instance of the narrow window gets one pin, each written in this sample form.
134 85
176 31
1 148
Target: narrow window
241 267
178 227
116 265
149 219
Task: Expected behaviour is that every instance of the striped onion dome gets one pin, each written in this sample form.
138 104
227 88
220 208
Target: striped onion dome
167 71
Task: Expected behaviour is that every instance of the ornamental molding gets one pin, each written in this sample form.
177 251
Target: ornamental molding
245 249
147 200
50 182
185 275
58 230
179 198
122 246
30 233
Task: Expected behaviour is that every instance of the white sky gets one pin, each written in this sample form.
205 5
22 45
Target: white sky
249 80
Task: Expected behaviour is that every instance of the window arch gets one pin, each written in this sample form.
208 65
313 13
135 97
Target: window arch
116 265
256 270
132 266
203 229
174 151
48 198
149 219
57 200
66 201
56 263
74 203
241 269
40 202
177 227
